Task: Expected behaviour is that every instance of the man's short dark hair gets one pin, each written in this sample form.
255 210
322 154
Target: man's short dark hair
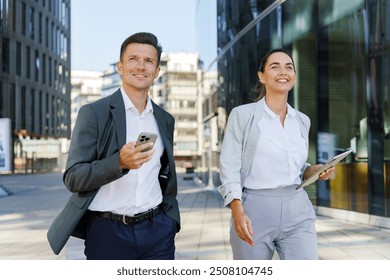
142 38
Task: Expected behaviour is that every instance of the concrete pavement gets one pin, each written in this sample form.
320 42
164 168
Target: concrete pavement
36 199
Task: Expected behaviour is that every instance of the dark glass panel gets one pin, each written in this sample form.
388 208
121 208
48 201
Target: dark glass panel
342 115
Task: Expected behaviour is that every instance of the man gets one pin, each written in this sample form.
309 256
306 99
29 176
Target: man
130 193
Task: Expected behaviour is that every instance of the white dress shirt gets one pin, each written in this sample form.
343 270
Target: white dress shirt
138 190
280 153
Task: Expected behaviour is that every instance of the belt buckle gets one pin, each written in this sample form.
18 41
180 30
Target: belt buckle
124 220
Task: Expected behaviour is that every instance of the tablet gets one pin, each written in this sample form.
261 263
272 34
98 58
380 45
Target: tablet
332 162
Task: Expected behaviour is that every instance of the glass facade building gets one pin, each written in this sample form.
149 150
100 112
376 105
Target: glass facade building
35 75
342 55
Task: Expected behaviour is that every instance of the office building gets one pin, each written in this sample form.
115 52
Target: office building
111 80
35 79
86 88
177 91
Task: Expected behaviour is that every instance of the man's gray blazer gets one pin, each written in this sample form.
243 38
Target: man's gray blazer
93 161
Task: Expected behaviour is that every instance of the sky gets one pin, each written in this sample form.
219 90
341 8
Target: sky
98 28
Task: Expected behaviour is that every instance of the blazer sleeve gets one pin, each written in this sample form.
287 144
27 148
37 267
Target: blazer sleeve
231 158
92 161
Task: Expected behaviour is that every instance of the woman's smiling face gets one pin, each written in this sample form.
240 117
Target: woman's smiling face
279 73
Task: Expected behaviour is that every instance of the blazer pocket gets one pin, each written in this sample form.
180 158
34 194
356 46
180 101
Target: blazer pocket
68 220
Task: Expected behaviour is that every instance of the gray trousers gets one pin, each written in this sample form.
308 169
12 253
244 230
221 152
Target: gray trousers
282 219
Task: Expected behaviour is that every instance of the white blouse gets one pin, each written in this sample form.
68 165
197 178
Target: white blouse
280 154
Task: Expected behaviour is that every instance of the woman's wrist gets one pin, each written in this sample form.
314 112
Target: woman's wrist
236 206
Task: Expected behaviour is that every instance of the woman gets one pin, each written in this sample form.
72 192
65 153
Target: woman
263 159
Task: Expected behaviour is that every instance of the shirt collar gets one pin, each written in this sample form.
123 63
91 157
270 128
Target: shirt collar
290 110
130 106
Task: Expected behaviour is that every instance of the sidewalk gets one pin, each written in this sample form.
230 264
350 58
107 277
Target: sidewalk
36 199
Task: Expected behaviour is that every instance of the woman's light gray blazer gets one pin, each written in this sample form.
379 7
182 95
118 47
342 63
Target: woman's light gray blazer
239 147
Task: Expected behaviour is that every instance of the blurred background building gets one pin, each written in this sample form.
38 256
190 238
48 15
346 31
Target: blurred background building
177 91
86 88
35 80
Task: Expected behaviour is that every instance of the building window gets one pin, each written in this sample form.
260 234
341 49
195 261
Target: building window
13 17
23 108
31 24
5 55
342 88
28 62
50 71
31 104
40 112
24 18
18 58
53 37
37 65
12 103
44 68
40 26
47 32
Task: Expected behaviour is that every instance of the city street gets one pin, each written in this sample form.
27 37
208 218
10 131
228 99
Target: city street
36 199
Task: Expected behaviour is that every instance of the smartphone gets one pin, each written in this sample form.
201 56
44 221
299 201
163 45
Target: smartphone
146 137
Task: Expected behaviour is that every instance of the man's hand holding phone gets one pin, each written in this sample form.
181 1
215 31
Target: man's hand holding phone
135 153
144 138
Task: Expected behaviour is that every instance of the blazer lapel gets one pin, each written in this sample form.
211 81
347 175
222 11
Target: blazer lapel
162 125
253 137
119 117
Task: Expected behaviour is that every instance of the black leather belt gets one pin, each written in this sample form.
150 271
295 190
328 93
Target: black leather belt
127 220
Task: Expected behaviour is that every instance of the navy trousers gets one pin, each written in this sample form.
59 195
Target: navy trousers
152 239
